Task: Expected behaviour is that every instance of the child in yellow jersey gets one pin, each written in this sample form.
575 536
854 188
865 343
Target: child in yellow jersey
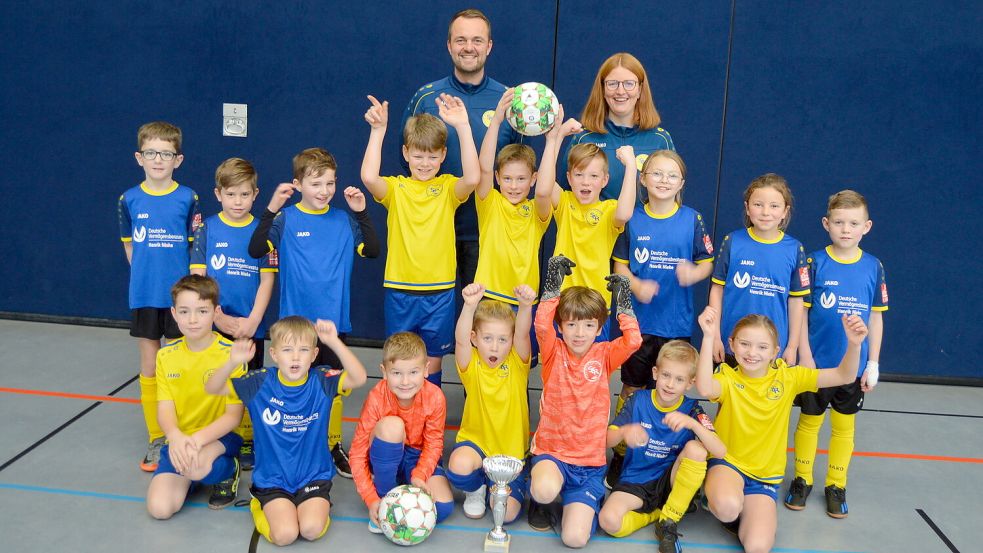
755 400
586 226
201 446
492 353
420 267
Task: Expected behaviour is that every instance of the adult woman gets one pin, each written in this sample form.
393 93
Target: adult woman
619 112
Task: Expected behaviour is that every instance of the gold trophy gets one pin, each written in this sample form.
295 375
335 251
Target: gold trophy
502 470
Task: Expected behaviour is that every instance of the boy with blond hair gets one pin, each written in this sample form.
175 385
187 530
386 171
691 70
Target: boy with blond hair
316 248
157 221
420 267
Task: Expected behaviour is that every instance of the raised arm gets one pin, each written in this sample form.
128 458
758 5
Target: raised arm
629 187
710 325
547 189
846 372
489 146
377 117
240 353
259 243
523 321
354 370
370 240
717 303
454 113
472 294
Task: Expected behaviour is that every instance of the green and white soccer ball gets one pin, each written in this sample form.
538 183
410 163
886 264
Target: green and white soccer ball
534 109
407 515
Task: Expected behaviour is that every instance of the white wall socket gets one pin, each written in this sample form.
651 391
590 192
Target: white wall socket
234 120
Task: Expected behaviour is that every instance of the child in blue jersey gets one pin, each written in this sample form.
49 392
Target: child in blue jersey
421 264
762 270
668 436
157 221
316 247
846 280
291 404
664 250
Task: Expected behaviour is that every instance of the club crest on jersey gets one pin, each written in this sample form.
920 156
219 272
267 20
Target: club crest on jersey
741 280
592 370
827 300
140 234
707 243
218 261
523 210
271 417
434 190
593 216
775 391
640 160
503 370
486 117
641 255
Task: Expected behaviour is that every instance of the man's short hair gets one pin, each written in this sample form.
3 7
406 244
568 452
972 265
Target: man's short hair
295 329
425 132
313 162
233 172
470 13
160 130
204 286
403 346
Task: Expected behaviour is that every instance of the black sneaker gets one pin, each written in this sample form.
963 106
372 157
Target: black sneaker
798 491
614 471
341 461
668 536
246 456
733 526
538 516
224 493
836 502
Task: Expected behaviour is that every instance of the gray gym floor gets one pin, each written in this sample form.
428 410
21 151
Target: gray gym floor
70 481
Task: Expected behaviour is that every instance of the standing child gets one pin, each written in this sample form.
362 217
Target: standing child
755 398
847 280
292 481
201 447
664 250
157 219
492 354
668 436
569 444
316 247
421 264
761 269
400 434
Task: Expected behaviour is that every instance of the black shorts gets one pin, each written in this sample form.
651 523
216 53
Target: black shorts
258 359
152 323
846 399
637 370
653 493
315 488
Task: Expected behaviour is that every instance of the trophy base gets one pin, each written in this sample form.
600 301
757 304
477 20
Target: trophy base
496 546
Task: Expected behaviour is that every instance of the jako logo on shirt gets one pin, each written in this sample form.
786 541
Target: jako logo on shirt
641 255
592 370
139 234
303 233
218 261
271 417
827 300
741 280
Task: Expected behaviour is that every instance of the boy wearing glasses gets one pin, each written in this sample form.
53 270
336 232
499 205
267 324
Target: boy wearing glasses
157 221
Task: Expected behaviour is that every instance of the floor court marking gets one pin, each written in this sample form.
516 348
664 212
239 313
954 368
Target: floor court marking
364 520
938 531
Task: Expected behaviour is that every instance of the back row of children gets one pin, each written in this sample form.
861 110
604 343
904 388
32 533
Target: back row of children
664 250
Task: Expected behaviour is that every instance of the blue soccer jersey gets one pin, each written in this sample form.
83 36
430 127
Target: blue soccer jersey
221 247
841 287
649 462
290 425
316 251
652 245
160 226
758 276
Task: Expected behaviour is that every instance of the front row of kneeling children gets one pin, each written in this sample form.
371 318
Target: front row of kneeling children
399 438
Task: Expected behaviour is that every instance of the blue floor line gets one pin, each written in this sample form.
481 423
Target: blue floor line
365 520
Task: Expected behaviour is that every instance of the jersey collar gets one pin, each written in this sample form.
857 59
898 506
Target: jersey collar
290 384
655 403
313 211
241 224
750 231
172 188
829 252
468 88
675 208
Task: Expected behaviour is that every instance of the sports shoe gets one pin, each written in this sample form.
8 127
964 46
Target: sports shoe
614 471
668 536
733 527
539 516
836 502
474 503
798 491
373 528
224 493
152 458
341 461
246 456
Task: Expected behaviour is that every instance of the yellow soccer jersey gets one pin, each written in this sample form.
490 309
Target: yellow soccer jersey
508 242
754 413
181 376
586 234
422 252
496 411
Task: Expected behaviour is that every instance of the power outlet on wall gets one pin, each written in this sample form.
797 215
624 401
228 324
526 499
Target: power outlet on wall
234 120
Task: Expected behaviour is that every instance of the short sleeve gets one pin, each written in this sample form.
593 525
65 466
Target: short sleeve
194 217
621 246
723 374
880 295
392 187
246 387
806 379
331 380
801 281
811 263
233 396
701 416
625 415
702 244
198 254
722 265
276 230
125 223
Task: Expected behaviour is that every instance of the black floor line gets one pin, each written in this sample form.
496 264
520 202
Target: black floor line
64 425
938 532
254 541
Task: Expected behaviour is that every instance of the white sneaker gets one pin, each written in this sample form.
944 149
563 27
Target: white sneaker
373 528
474 503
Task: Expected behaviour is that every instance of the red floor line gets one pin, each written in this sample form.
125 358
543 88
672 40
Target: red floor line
876 454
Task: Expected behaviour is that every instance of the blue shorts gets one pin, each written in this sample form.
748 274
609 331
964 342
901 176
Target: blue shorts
232 443
751 485
580 484
429 315
519 486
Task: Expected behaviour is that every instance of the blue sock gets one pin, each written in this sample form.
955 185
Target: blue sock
444 509
467 482
435 378
222 468
385 458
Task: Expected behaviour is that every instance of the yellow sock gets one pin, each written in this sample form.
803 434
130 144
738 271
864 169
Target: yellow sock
621 447
806 440
634 521
259 519
325 531
840 448
334 423
148 400
689 477
245 427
